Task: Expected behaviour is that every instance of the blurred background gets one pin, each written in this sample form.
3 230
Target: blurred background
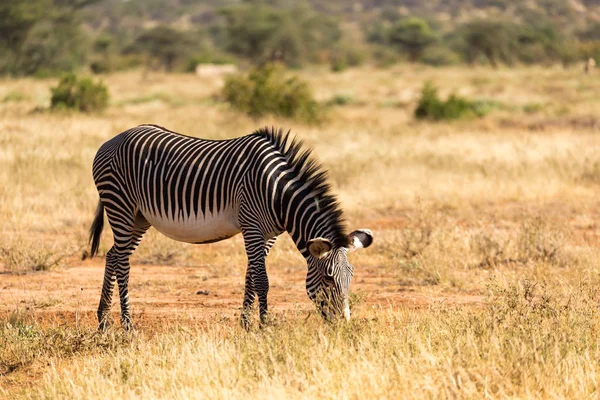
48 37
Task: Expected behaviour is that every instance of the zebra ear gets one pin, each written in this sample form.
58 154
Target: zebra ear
359 239
319 247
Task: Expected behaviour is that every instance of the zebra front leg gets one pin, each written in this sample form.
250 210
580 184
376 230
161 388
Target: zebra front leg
249 296
108 287
257 282
261 285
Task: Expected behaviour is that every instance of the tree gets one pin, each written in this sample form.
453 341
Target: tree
41 35
493 40
261 33
413 35
163 45
17 17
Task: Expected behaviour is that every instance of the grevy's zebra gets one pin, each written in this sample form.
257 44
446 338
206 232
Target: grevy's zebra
202 191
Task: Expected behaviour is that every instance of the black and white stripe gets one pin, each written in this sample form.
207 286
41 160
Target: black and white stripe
202 191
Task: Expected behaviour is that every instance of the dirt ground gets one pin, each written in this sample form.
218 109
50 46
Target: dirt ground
71 294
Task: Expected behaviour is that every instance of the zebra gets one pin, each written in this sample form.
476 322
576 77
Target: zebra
202 191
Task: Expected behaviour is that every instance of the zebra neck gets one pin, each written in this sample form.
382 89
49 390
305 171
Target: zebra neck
304 219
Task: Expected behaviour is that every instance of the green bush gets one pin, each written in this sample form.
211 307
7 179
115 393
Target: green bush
267 90
79 94
454 107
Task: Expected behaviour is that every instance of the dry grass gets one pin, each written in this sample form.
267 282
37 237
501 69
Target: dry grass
504 206
528 342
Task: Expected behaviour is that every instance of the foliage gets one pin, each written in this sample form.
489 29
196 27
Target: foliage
492 41
261 33
79 94
52 47
412 35
41 37
48 37
454 107
268 90
163 46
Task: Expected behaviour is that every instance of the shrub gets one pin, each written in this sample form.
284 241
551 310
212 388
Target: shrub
267 90
455 107
79 94
432 107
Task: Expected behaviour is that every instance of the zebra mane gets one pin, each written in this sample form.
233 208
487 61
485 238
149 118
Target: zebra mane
308 170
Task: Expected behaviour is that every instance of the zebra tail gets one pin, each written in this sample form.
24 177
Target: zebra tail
96 229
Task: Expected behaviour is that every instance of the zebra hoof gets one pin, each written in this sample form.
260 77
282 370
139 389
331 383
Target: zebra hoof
103 326
104 323
265 320
245 322
127 325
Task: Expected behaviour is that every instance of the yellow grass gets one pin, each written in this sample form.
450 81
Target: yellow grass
504 207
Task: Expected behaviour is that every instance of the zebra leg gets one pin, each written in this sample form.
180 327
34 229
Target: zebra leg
107 290
269 244
257 282
128 229
249 296
123 267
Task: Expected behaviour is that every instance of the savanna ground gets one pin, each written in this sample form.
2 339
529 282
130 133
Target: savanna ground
482 281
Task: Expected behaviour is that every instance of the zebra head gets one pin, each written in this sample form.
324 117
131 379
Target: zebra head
330 273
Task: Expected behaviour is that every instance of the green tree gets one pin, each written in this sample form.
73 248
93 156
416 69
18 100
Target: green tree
260 33
17 17
51 47
413 35
164 46
492 40
41 35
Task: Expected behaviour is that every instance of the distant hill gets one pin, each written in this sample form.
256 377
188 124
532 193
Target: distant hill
569 14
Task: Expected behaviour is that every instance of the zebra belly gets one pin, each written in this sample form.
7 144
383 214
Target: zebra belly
197 229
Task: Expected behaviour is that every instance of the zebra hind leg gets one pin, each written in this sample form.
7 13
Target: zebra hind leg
126 242
123 267
107 291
